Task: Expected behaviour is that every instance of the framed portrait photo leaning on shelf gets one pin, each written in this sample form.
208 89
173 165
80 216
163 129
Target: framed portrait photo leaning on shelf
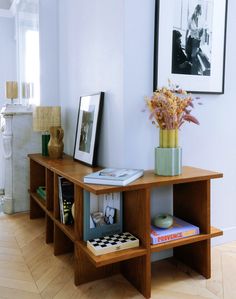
189 44
88 128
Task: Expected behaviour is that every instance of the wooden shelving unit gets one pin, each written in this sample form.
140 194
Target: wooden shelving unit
191 202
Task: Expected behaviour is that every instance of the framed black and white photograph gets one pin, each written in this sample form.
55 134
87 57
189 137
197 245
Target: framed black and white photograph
190 44
88 128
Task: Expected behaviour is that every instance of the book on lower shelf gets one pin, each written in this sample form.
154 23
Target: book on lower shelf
180 229
66 200
113 176
112 243
41 191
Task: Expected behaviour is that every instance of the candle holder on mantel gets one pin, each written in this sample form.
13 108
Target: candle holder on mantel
11 90
27 89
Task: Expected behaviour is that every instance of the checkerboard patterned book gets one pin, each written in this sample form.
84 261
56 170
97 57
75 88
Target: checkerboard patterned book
112 243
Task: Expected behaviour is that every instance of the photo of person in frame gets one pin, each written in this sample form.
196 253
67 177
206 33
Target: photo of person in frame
180 61
86 130
192 38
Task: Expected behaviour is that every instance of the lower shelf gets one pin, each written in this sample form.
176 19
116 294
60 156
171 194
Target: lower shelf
41 202
126 254
67 229
112 257
197 238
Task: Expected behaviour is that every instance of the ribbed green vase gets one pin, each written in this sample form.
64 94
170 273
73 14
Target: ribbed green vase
168 156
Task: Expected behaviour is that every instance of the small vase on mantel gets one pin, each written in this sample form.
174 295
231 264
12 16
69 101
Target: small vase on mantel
168 156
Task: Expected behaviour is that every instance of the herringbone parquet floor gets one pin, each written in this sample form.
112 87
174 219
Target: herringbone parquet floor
29 270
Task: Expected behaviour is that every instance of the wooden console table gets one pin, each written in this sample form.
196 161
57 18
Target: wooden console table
191 202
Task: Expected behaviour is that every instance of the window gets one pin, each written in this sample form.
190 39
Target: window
28 52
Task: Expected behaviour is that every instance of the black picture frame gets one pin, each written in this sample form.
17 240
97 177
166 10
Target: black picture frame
88 128
194 60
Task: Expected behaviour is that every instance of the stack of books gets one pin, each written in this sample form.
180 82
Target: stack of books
180 229
113 176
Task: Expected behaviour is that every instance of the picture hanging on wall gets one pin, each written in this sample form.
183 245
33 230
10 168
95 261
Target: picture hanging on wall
88 128
189 44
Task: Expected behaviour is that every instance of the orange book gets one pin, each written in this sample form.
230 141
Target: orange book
180 229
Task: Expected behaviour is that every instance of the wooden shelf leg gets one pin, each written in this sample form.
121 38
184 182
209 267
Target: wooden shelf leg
192 204
62 244
35 210
137 221
85 271
49 230
138 272
197 256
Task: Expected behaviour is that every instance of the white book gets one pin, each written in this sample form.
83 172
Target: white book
113 176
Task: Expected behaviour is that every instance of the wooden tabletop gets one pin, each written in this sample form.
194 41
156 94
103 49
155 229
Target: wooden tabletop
75 172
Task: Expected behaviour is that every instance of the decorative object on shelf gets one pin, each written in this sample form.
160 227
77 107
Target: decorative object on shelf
170 108
163 220
103 214
88 128
189 45
44 118
180 229
112 243
73 210
113 176
11 90
41 190
55 144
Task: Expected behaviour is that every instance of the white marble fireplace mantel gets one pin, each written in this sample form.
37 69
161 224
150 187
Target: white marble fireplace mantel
18 141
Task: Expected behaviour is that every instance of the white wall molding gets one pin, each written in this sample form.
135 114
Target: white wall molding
14 6
9 13
6 13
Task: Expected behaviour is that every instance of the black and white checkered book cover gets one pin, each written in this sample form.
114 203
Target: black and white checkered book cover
112 243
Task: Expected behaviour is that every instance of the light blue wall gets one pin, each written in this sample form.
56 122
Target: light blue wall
91 60
108 45
49 62
7 54
140 136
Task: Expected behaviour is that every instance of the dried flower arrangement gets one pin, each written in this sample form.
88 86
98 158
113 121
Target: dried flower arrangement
171 107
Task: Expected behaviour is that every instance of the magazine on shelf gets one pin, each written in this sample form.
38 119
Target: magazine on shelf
180 229
112 243
66 200
113 176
